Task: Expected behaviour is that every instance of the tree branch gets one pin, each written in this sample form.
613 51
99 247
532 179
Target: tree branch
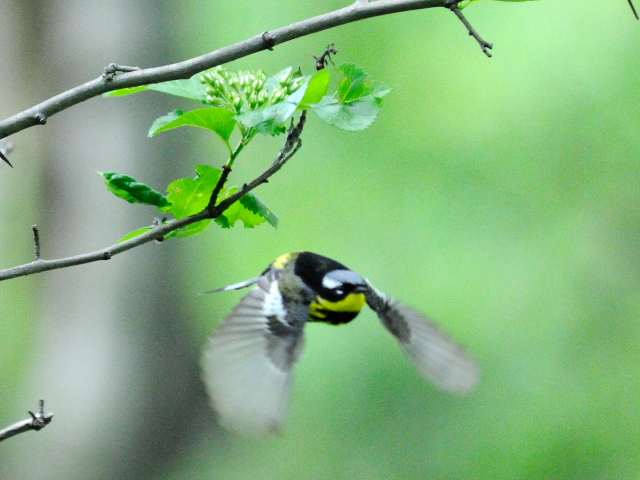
109 81
633 9
158 232
37 422
484 45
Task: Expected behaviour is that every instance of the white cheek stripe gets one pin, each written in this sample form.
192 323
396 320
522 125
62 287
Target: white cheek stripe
330 283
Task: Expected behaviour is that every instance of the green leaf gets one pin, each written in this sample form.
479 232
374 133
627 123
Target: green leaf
356 84
189 196
135 233
237 212
249 210
316 89
466 3
218 120
353 86
270 120
380 90
161 122
191 88
273 81
132 191
223 221
257 206
190 230
121 92
353 116
356 104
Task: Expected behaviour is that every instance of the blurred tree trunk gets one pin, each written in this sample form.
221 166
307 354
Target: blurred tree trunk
112 360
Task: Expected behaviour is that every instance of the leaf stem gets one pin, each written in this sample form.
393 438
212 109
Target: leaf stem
290 148
226 170
232 158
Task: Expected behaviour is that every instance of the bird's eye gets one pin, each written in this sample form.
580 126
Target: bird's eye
338 291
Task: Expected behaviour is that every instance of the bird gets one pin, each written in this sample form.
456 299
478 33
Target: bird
248 363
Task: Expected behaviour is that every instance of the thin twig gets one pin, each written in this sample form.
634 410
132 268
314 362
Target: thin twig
484 45
634 10
158 232
39 114
36 241
226 170
38 421
42 265
290 148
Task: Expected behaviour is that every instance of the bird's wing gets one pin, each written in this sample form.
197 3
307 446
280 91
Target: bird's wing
248 364
436 355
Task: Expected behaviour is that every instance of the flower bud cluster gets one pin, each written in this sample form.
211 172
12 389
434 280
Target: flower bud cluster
246 91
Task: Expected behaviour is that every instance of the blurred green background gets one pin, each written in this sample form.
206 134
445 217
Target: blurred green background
500 196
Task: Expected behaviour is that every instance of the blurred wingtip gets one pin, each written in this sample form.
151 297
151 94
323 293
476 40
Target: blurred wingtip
461 380
433 351
248 388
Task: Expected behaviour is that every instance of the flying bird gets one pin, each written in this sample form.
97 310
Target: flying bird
248 363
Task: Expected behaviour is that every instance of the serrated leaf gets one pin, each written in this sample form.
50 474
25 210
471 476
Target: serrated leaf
218 120
250 211
237 212
191 88
257 206
356 84
270 120
316 89
353 86
164 120
189 196
353 116
190 230
134 234
356 104
132 191
121 92
223 221
380 89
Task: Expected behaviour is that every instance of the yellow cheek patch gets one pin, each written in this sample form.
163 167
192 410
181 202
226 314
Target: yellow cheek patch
352 303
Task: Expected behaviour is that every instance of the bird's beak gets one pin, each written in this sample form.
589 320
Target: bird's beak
361 288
